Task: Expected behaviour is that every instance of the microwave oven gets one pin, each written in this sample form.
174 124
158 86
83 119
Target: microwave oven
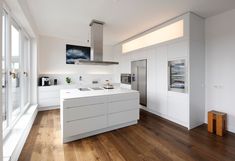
126 78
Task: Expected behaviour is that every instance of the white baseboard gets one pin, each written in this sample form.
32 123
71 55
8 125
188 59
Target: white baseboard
48 108
231 128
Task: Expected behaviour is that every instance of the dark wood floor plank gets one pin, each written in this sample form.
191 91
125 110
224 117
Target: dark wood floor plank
109 148
152 139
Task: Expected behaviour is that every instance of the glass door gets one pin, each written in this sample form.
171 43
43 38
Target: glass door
177 75
15 72
4 73
15 95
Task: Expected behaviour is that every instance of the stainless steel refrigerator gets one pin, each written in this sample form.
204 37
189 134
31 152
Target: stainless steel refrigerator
139 79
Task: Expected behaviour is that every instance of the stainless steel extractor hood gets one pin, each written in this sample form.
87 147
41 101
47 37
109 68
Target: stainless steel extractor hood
97 45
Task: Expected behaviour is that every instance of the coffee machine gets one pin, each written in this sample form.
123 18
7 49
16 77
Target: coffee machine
44 81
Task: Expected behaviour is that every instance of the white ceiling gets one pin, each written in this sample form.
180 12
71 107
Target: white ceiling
123 18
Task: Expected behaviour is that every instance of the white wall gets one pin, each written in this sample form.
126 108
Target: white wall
220 65
52 58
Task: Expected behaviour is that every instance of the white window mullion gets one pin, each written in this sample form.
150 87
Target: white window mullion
22 53
8 67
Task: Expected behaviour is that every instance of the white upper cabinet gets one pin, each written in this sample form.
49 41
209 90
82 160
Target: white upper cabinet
177 50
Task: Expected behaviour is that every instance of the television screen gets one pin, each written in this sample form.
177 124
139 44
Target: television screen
75 53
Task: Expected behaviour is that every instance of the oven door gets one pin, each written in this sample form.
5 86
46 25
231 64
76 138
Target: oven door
126 78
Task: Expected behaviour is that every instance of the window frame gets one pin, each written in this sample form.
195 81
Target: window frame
6 47
27 64
23 108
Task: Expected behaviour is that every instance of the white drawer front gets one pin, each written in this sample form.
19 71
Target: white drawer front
123 106
123 96
49 102
123 117
49 94
81 112
84 101
84 126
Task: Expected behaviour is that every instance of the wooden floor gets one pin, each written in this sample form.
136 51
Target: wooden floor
153 139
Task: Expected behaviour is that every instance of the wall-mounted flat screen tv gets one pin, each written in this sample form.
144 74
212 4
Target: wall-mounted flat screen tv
75 53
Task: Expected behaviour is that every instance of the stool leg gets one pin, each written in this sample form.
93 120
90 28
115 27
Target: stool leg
210 122
219 125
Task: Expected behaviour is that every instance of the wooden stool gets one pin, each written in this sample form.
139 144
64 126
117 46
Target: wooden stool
217 122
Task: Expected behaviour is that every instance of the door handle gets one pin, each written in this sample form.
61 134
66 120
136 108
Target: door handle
133 78
13 74
25 74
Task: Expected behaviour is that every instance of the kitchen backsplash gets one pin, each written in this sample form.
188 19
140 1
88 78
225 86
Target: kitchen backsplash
80 79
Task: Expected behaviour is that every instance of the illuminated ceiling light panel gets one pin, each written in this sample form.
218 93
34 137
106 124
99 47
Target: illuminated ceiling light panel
170 32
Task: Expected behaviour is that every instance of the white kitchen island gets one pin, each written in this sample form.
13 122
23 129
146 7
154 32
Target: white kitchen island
87 113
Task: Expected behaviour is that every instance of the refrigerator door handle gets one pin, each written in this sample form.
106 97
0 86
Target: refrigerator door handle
133 77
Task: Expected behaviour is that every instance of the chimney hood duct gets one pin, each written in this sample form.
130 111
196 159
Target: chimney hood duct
97 45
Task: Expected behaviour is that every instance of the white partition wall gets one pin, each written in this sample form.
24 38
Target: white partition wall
176 106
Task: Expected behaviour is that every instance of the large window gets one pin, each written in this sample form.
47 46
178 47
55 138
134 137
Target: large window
15 71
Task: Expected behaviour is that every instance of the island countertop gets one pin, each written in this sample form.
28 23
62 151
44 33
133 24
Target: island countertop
76 93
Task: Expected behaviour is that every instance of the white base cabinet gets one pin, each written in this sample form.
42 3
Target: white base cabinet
86 116
49 96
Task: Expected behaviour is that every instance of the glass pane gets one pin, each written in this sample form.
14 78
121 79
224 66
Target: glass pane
4 94
177 75
15 72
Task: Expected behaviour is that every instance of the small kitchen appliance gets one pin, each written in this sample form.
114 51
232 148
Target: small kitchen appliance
44 81
108 85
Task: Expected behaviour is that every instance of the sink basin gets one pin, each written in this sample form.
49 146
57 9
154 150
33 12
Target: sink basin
97 88
83 89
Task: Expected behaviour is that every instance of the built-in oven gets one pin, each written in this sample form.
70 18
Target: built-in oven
126 78
177 75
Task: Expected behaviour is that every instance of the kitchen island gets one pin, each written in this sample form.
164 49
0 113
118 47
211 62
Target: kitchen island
86 112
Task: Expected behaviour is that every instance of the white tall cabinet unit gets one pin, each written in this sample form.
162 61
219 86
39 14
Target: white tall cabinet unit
187 108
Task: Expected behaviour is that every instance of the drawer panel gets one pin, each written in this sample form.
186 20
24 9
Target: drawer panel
123 105
48 94
84 101
49 102
123 117
84 126
123 96
81 112
49 88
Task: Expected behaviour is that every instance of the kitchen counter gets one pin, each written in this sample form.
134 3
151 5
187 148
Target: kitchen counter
87 113
76 93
